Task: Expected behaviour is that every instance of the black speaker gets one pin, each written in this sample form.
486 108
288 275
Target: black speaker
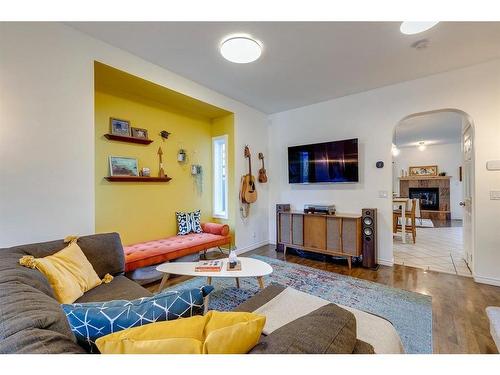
369 233
280 208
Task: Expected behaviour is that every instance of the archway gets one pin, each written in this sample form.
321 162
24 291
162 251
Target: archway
433 187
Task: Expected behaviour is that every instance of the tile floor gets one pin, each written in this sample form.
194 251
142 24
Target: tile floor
436 249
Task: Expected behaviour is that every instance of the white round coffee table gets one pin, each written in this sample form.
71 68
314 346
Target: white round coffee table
250 267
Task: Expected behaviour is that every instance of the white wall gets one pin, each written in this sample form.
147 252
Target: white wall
47 132
448 157
371 116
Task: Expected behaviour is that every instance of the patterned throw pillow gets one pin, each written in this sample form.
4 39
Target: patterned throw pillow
92 320
188 222
196 221
183 223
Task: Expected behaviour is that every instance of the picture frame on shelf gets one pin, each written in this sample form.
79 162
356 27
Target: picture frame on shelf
119 127
123 166
139 133
424 170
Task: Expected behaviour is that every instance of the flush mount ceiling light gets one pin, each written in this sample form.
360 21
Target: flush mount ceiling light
421 146
410 28
240 49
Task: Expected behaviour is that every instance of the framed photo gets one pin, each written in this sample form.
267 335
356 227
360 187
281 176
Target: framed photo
119 127
139 133
425 170
119 166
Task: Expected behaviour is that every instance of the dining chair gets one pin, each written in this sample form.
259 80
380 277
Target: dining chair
410 217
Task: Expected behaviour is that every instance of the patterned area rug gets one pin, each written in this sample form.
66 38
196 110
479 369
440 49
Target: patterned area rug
409 312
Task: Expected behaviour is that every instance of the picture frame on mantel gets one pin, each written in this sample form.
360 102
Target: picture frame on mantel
424 170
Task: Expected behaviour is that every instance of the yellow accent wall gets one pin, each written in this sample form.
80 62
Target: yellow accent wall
225 126
146 211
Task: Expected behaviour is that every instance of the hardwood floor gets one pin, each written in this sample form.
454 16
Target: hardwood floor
460 324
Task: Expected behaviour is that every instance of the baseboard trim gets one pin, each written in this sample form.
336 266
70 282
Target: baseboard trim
251 247
487 280
385 262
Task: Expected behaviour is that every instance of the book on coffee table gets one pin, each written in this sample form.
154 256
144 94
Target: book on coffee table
209 266
237 267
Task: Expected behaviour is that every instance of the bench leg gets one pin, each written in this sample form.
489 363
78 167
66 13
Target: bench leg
163 282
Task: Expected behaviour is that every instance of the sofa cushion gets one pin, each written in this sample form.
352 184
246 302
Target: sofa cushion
215 333
68 271
92 320
120 287
327 330
159 251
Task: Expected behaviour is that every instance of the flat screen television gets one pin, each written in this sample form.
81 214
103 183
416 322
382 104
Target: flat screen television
328 162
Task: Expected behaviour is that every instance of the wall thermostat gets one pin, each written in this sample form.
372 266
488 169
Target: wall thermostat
379 164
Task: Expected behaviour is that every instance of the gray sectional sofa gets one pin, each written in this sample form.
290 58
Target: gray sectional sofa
32 321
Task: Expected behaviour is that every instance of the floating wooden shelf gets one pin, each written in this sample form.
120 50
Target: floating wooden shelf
123 138
412 178
137 179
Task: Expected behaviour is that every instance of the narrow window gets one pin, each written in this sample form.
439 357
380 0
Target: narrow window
220 188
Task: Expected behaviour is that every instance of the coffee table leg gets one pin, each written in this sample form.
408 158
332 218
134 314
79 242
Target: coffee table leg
209 280
260 279
237 282
206 301
163 281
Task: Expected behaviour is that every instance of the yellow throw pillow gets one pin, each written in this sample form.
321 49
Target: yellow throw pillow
69 272
215 333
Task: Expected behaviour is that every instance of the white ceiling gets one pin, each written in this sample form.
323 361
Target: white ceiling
303 62
434 128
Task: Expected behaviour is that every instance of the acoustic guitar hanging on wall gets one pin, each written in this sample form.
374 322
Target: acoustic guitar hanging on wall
262 171
248 193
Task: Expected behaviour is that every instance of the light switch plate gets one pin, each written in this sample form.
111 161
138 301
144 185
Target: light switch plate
493 165
495 195
383 194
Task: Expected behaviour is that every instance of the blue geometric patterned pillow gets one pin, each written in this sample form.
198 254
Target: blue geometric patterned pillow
92 320
188 222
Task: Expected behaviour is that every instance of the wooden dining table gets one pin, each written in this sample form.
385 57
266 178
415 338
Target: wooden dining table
401 203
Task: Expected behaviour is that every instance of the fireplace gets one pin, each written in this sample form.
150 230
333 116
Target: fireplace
429 197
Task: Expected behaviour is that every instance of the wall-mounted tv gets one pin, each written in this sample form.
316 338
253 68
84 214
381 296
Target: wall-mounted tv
328 162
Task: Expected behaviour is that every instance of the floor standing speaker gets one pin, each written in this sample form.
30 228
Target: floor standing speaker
369 233
280 208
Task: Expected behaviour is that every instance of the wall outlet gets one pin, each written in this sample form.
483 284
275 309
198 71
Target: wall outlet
494 195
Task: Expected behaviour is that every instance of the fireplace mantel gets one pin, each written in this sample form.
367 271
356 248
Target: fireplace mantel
413 178
440 182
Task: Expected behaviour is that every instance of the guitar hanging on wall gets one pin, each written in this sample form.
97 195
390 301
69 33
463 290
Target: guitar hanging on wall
248 193
262 171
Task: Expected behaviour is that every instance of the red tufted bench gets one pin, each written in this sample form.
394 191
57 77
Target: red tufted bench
154 252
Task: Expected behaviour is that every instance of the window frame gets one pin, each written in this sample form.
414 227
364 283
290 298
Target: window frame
216 170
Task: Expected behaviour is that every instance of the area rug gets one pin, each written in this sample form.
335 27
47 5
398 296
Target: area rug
409 312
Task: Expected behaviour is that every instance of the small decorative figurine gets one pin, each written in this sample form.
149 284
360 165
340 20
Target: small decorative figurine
161 172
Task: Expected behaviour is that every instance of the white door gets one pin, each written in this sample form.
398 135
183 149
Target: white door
468 191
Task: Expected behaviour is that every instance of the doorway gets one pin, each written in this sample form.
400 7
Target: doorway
432 192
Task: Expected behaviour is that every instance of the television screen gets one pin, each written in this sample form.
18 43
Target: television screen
323 162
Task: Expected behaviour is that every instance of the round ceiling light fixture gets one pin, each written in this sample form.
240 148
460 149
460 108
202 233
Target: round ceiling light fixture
410 28
240 49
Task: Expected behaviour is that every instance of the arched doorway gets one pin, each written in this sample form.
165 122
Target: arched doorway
433 189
